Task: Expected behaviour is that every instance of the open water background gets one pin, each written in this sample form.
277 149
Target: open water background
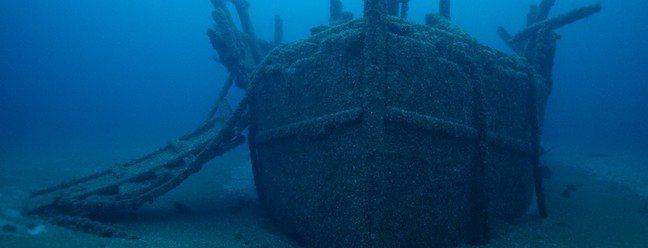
84 84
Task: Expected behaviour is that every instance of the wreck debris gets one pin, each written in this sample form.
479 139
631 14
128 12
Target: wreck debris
398 8
336 12
485 82
220 100
404 8
337 15
238 51
86 225
378 62
229 42
444 8
555 22
278 30
130 185
393 7
537 42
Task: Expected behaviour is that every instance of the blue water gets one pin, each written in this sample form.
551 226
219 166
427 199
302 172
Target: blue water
123 70
99 71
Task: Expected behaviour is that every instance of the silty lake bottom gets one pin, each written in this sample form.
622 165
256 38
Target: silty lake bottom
597 196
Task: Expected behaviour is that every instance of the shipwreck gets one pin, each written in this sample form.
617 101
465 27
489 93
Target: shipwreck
372 132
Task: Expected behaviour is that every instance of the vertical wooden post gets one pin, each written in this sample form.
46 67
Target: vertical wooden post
535 149
373 125
444 8
278 31
336 12
479 233
404 8
392 7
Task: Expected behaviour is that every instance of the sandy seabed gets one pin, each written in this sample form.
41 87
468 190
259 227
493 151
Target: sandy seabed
606 205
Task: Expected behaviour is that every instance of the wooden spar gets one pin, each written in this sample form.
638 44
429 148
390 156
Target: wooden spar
556 22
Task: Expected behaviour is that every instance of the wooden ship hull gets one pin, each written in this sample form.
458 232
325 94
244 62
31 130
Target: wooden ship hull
408 136
376 132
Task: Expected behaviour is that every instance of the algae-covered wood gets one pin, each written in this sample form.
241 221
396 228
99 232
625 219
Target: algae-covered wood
452 138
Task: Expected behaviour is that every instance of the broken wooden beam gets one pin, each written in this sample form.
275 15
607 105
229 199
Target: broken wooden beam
556 22
543 10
